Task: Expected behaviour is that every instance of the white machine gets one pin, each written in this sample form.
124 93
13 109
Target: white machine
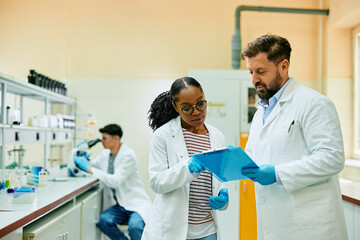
82 149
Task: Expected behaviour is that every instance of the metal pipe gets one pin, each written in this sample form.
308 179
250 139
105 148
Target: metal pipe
236 40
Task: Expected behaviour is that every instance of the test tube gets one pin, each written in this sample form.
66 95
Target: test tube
7 178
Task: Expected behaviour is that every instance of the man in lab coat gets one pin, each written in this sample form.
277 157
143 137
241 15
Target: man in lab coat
295 138
116 168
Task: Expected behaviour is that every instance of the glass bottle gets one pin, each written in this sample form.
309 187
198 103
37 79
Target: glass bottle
32 77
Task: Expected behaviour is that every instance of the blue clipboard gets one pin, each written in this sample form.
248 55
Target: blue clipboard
226 163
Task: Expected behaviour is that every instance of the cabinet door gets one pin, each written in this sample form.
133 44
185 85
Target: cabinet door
91 207
349 218
15 235
62 136
24 136
57 225
72 227
356 222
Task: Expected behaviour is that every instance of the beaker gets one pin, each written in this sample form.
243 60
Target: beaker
91 120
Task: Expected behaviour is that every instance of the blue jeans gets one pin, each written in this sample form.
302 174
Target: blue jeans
210 237
116 215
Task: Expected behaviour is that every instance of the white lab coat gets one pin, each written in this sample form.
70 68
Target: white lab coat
130 192
307 156
170 179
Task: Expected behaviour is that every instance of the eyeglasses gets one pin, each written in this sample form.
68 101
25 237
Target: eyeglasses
188 110
105 138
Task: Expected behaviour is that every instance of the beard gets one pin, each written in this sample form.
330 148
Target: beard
268 91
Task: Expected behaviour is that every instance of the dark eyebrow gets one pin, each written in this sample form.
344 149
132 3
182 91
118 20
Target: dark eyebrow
199 99
257 69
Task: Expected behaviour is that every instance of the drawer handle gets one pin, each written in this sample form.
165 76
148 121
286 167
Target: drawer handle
17 136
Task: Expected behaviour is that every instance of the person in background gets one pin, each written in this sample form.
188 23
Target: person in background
116 167
295 138
186 195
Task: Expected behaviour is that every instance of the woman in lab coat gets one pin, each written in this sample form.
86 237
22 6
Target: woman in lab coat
299 148
186 195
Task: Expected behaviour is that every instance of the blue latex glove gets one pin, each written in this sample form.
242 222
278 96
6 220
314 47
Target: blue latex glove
82 163
265 174
195 168
220 201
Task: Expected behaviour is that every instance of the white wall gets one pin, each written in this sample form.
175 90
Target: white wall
122 101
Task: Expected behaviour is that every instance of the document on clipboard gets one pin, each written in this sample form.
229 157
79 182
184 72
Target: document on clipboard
226 163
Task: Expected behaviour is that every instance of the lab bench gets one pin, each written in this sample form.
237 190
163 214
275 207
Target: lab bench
64 209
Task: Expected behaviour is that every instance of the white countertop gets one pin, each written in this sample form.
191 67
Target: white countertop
350 190
47 199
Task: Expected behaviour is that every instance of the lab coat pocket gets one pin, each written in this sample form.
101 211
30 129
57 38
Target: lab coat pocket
313 206
289 138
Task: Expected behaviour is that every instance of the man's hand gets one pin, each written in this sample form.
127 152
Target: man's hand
82 163
265 174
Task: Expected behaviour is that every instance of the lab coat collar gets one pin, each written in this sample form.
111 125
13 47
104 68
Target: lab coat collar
122 149
285 97
288 92
177 138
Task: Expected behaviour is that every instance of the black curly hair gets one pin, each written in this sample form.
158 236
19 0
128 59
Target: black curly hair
161 110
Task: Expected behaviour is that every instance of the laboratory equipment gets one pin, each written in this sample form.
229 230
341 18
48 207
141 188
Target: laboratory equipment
47 82
43 178
20 152
34 175
44 121
32 77
82 163
24 194
33 121
82 149
16 117
91 120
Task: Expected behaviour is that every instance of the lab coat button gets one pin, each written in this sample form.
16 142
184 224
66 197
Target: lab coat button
266 232
262 201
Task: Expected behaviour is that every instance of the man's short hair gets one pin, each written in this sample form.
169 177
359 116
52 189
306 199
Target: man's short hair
276 47
112 129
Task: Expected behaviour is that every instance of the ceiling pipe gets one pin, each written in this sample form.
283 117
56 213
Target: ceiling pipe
236 40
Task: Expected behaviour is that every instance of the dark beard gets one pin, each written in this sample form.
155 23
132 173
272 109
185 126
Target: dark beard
270 91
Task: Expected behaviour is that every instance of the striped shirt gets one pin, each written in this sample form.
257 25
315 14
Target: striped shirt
200 188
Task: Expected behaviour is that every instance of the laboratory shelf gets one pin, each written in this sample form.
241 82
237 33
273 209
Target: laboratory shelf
23 88
25 127
21 134
15 215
